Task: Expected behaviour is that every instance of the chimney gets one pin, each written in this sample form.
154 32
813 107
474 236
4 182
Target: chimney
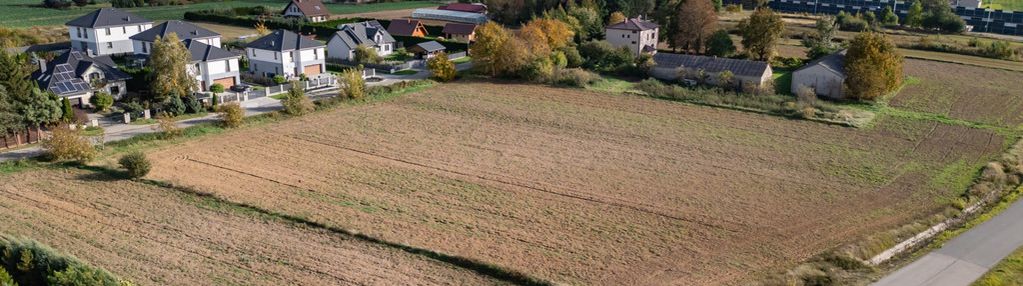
127 19
196 32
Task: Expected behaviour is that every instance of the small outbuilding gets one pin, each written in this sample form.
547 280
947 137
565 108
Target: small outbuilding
744 72
826 76
460 32
426 50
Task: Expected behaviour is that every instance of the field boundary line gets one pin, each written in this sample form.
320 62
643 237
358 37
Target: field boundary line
481 177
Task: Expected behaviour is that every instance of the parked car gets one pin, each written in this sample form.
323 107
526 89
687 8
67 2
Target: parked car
689 82
240 88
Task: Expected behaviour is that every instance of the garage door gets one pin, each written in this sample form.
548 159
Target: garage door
311 70
227 82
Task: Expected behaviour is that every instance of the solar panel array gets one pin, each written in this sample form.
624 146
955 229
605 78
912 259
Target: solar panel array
64 81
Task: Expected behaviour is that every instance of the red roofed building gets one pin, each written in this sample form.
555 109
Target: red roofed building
465 7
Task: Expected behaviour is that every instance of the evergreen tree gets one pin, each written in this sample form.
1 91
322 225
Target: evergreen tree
67 114
40 108
15 74
10 120
889 18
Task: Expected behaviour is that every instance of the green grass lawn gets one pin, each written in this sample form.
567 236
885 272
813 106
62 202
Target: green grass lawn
1007 272
462 60
27 13
1012 5
405 72
782 81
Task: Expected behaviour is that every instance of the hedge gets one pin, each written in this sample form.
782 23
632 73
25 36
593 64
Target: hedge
31 263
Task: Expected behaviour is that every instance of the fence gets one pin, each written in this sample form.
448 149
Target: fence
12 140
384 68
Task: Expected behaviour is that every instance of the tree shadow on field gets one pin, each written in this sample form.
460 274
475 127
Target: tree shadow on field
101 174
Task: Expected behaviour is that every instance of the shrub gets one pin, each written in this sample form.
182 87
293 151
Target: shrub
601 56
102 101
720 44
231 114
216 88
167 126
56 4
575 77
733 8
136 164
295 102
31 263
279 79
442 68
354 85
367 55
175 106
192 104
68 145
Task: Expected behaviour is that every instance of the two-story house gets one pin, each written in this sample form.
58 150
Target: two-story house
212 65
77 76
309 10
638 35
349 36
286 53
106 31
143 42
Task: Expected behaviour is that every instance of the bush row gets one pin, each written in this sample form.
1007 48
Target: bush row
30 263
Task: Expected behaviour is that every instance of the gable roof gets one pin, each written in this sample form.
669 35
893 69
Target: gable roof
834 62
404 27
310 7
634 24
107 17
202 52
362 33
464 7
284 40
431 46
459 28
712 64
65 75
184 30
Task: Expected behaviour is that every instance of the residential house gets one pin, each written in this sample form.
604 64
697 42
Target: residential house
427 50
310 10
460 32
638 35
370 33
286 53
143 42
77 76
478 8
826 76
744 72
211 65
106 31
407 27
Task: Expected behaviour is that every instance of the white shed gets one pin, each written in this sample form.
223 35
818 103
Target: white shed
826 76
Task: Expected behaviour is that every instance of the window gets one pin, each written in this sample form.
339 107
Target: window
94 76
275 55
633 42
115 90
140 28
227 65
110 45
124 29
79 31
108 31
144 49
316 54
291 55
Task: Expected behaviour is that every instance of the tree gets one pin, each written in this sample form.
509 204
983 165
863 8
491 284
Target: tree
871 19
915 15
696 22
136 164
67 112
39 108
6 279
496 51
442 68
261 28
725 79
889 18
720 44
821 42
295 102
555 33
760 33
354 84
15 74
170 61
56 4
10 120
175 106
81 3
367 55
873 66
102 101
590 22
217 88
616 17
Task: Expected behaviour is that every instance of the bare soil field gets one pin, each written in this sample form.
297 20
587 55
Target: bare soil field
585 187
157 236
966 92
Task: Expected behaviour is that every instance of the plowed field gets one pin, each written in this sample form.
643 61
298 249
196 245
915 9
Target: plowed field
589 188
156 236
989 96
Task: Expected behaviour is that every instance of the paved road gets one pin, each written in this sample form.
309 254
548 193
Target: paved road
967 257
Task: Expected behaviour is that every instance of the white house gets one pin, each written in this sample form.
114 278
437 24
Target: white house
211 65
286 53
106 31
639 35
77 76
826 76
310 10
142 43
349 36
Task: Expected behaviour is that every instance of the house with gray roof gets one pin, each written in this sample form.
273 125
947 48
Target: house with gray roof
636 34
349 36
106 31
674 66
143 42
309 10
427 50
77 76
286 53
826 76
212 65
